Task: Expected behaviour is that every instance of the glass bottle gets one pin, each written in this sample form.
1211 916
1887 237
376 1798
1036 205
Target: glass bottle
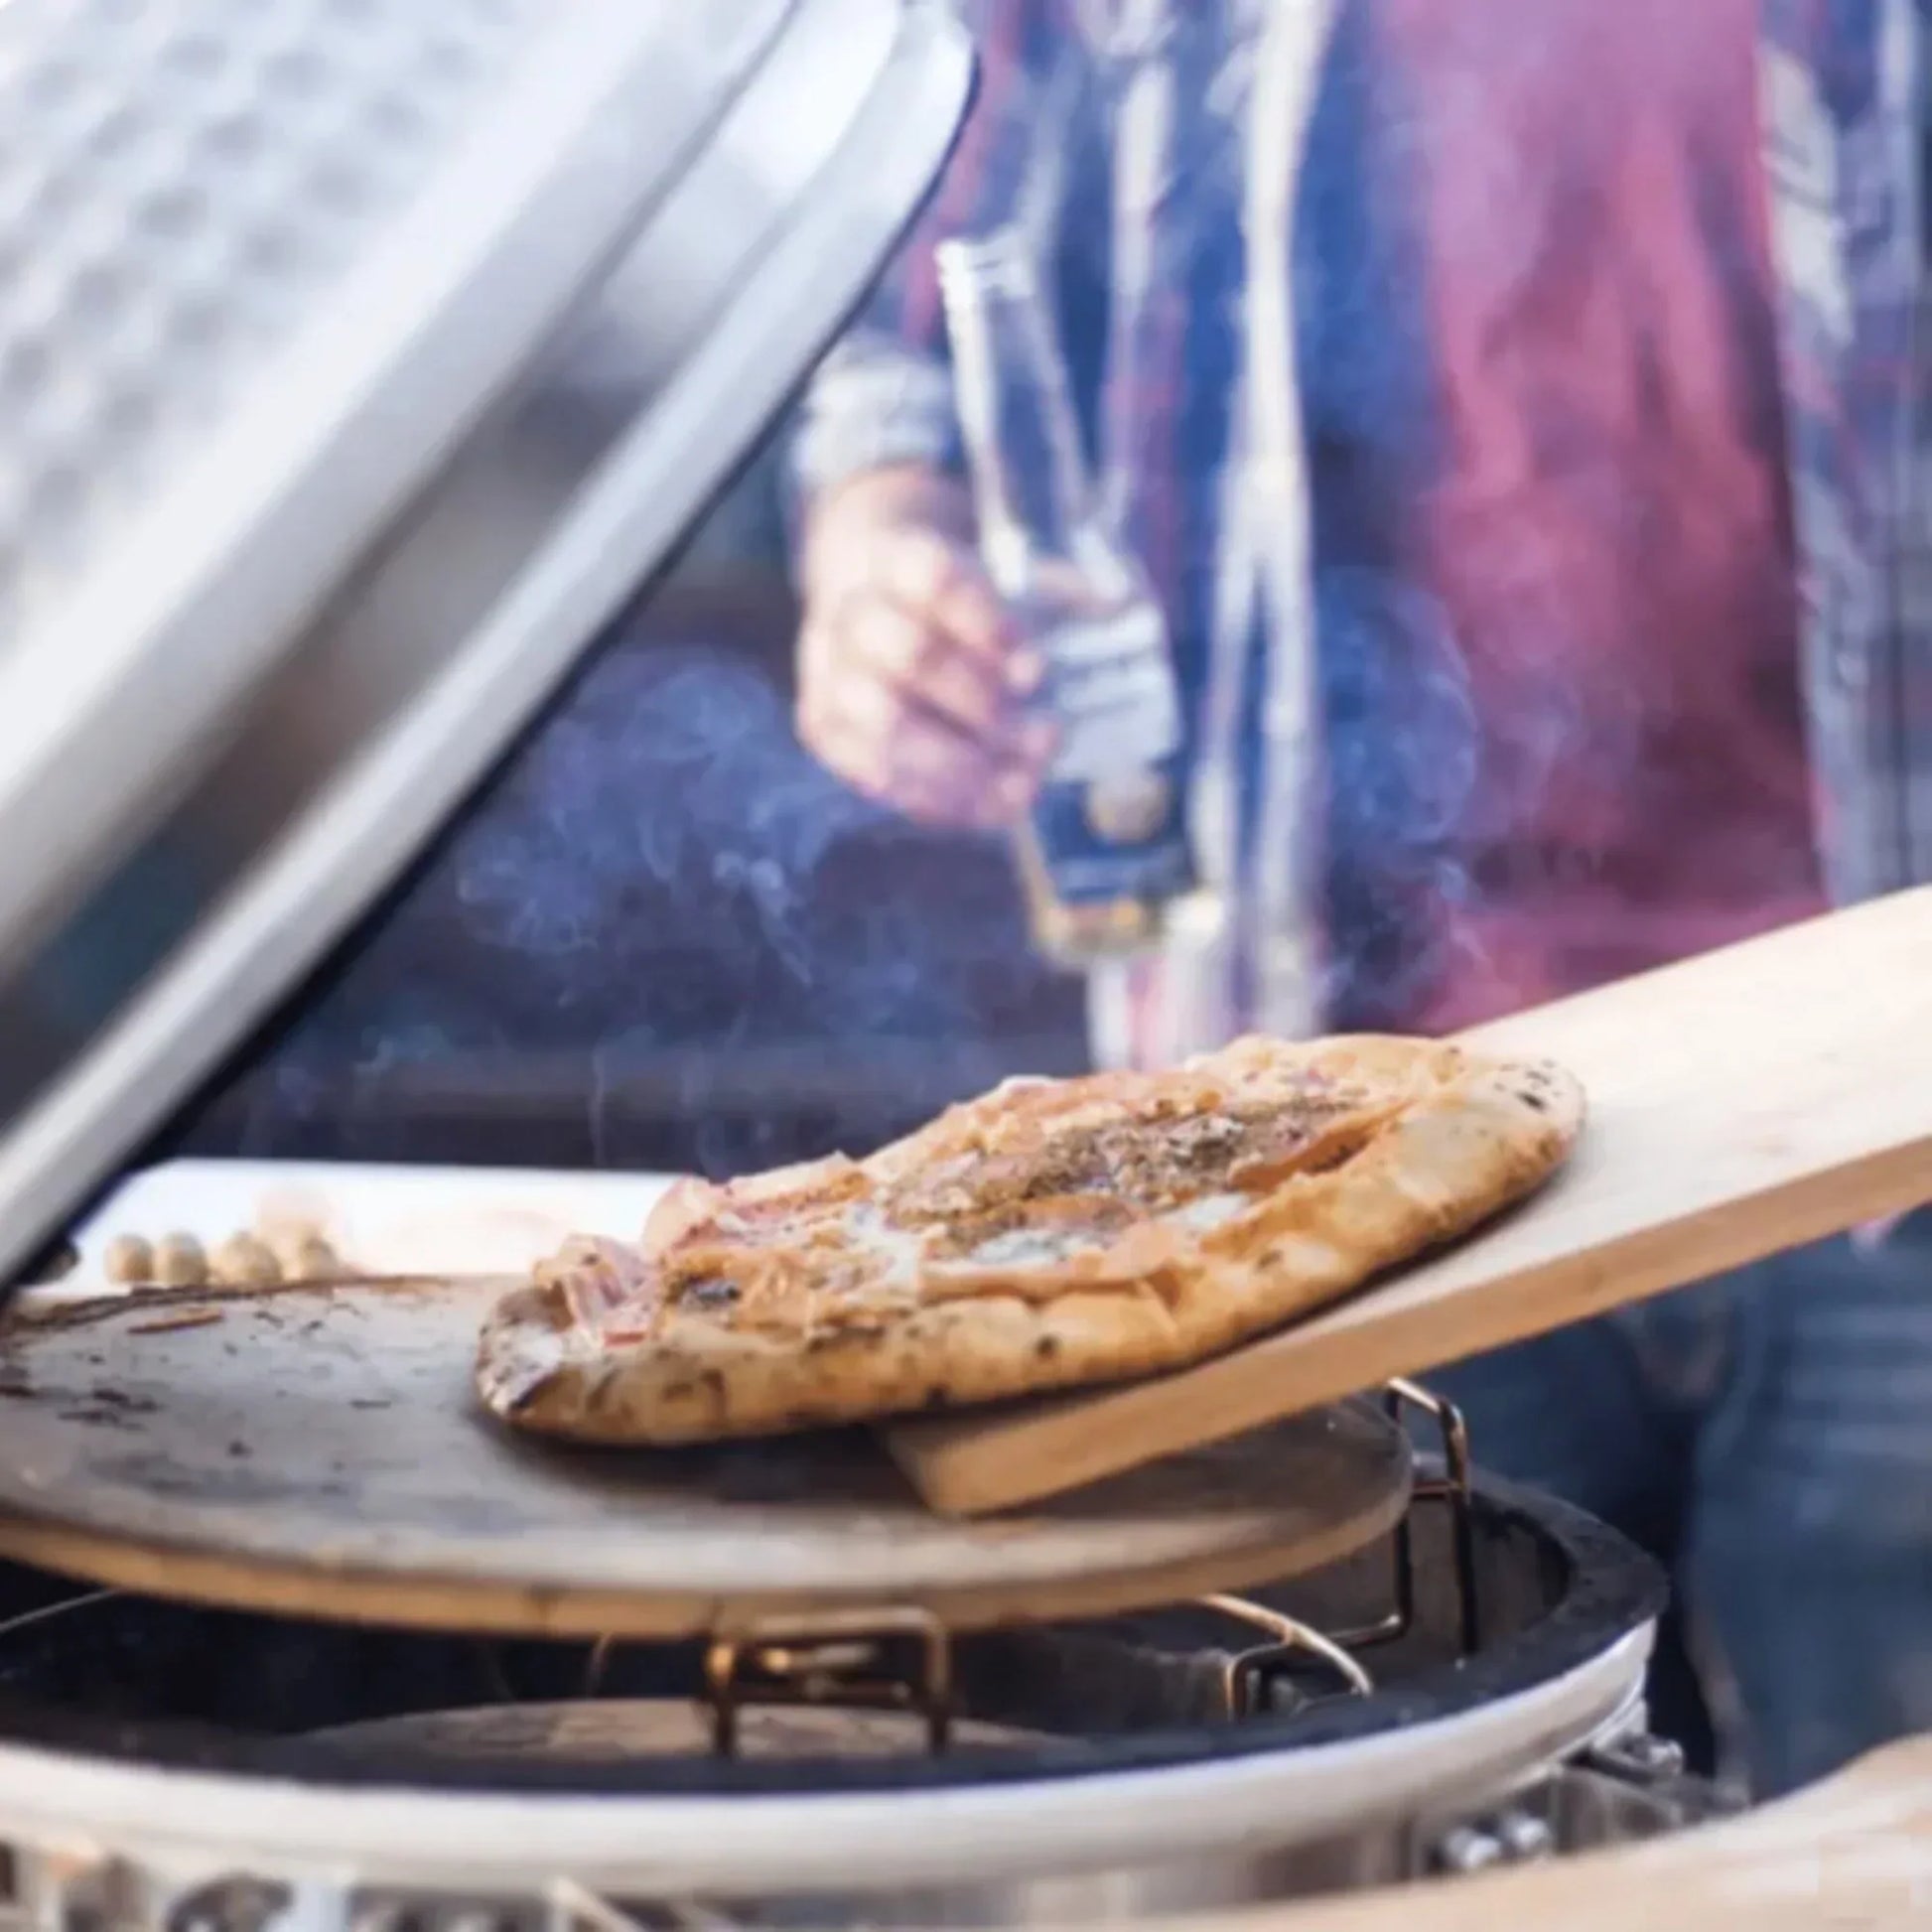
1104 855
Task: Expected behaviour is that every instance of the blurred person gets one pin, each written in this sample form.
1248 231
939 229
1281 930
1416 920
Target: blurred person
1517 408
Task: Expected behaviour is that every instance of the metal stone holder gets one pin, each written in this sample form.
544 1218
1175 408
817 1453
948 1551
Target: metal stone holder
902 1659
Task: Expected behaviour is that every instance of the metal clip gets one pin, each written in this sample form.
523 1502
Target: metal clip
1451 1487
1250 1672
837 1658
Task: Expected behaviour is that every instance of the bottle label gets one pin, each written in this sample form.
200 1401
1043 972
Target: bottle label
1099 845
1111 690
1110 820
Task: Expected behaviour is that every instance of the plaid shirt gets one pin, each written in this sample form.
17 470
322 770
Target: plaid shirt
1847 127
1121 133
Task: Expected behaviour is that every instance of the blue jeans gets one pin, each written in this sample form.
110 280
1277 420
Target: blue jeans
1769 1435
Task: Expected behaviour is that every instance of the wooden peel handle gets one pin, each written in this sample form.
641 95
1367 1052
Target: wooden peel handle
1741 1103
1853 1854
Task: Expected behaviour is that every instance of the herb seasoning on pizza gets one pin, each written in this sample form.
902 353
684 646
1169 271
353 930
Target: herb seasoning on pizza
1047 1235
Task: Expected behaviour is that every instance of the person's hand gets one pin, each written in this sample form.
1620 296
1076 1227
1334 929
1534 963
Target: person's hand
912 677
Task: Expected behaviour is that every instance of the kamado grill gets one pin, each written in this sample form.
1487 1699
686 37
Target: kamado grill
360 361
501 1684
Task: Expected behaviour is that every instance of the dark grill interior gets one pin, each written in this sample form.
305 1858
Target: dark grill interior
132 1676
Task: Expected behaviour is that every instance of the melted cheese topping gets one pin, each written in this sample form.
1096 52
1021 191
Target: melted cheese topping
1036 1191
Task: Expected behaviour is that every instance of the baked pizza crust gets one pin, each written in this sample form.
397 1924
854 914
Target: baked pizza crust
1048 1235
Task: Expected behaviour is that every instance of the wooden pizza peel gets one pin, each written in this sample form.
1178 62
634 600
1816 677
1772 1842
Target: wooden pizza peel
1741 1104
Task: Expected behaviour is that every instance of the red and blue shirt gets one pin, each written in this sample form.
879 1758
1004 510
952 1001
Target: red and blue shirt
1607 637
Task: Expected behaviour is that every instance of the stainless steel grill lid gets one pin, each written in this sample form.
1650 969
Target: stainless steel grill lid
357 362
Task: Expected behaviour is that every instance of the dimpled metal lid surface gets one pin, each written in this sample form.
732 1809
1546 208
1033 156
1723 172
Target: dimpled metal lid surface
357 362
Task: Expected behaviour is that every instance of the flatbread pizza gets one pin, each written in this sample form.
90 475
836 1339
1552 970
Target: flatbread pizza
1047 1235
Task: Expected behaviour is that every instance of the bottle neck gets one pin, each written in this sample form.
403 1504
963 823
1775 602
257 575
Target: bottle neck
1031 488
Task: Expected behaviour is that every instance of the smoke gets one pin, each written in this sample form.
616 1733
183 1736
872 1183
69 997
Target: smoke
1403 751
666 937
665 794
